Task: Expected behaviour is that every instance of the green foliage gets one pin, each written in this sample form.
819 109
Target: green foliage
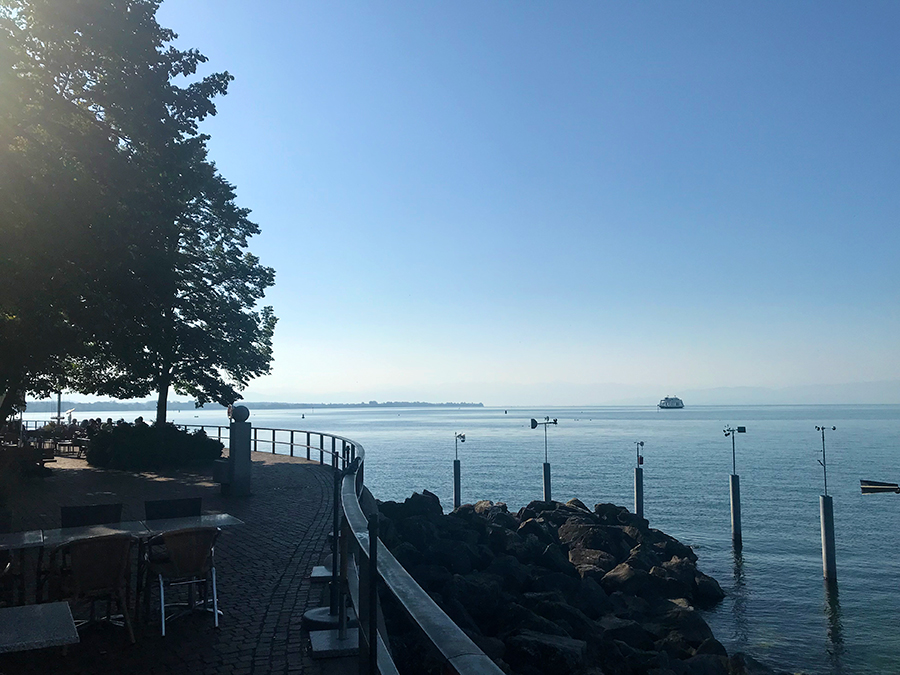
142 448
124 260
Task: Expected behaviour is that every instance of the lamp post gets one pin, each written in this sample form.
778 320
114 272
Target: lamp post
457 499
826 518
734 487
639 480
534 425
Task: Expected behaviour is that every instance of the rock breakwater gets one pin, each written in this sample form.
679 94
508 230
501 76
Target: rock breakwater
558 588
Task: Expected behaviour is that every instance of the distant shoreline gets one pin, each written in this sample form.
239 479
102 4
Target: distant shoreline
83 406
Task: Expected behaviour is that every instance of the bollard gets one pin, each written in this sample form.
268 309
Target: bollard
457 498
239 453
826 517
734 483
639 491
547 496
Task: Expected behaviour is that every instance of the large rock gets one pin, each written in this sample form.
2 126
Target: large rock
580 556
559 588
556 655
626 579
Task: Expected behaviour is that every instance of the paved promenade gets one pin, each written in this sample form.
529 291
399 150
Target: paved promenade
262 567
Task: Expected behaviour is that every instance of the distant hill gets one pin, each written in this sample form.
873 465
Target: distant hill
87 406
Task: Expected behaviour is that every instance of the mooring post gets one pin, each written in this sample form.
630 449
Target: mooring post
826 516
547 494
534 425
734 485
457 490
639 491
457 495
639 480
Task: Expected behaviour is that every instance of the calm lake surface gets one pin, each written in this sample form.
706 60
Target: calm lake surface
778 608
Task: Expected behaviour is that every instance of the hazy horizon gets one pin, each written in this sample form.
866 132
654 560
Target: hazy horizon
518 203
863 393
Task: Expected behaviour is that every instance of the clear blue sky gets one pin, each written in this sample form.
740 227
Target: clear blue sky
534 203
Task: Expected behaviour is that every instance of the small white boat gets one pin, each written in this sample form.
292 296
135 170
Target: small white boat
670 402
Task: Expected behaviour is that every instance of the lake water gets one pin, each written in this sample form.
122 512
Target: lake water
778 608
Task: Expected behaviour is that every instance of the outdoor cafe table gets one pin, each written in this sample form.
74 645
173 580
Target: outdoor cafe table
36 626
19 542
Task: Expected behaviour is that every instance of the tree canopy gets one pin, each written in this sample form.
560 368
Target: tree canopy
123 256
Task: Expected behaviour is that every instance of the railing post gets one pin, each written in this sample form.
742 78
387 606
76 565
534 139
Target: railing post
255 447
273 441
335 523
372 604
321 448
343 454
307 445
334 462
292 442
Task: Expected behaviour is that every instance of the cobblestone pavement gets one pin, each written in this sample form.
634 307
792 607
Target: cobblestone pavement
262 570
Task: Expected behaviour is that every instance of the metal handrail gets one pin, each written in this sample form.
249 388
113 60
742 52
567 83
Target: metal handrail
348 456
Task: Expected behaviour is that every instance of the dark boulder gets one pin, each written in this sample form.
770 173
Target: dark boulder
707 593
431 577
557 655
540 528
590 556
708 664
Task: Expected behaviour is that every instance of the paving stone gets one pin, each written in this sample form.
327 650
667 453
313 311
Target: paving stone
262 568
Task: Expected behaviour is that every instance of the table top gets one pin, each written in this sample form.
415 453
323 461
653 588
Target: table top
65 535
36 626
12 541
137 528
207 520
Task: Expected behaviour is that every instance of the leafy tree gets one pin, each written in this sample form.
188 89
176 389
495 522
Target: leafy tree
125 268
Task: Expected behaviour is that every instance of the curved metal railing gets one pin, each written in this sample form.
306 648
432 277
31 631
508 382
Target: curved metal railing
361 562
355 547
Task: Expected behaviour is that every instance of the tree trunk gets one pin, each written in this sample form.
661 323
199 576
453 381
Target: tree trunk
8 398
162 401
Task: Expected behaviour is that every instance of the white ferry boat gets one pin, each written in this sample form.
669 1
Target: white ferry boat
671 402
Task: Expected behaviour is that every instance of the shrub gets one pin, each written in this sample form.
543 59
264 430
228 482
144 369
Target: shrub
140 447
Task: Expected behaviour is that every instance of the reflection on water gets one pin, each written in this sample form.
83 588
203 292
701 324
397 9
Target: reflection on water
741 632
835 645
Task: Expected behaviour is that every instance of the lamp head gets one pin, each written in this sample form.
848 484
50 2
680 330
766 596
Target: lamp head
533 423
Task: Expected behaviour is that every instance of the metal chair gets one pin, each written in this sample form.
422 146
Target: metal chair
99 570
92 514
73 516
161 509
191 561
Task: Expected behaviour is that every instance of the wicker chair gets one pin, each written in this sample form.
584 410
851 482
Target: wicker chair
99 570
